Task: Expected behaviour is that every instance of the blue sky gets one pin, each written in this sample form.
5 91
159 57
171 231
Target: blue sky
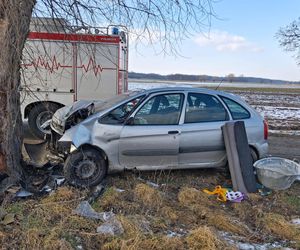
241 42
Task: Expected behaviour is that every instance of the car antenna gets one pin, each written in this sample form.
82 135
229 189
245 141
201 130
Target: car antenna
219 84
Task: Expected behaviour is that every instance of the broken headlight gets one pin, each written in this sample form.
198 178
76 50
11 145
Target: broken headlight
79 116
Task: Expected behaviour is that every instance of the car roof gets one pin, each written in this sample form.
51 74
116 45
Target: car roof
185 89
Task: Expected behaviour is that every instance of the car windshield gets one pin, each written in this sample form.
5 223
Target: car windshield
110 102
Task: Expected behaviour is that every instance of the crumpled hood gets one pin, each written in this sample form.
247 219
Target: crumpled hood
61 115
65 112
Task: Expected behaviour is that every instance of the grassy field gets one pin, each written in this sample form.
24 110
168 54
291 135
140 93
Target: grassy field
175 214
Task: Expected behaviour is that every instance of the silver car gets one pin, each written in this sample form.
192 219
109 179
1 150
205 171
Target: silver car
164 128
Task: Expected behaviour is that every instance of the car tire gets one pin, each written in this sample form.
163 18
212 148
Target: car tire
254 155
85 168
37 115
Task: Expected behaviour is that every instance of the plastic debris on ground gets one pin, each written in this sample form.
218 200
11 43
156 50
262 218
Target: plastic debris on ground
85 209
296 222
277 173
119 190
150 183
23 193
112 227
225 194
180 233
96 192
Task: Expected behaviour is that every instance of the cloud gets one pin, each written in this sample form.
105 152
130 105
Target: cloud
223 41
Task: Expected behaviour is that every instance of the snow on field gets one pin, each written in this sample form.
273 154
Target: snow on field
281 113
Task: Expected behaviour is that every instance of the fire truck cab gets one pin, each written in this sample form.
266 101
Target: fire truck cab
62 64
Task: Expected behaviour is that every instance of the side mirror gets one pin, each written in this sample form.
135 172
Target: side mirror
130 121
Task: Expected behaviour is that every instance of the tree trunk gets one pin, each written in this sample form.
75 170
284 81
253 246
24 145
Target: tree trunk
14 26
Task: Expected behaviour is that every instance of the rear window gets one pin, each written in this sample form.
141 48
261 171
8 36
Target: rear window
237 111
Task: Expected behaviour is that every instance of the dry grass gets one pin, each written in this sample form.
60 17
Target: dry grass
227 224
204 238
147 215
148 196
276 224
191 196
137 243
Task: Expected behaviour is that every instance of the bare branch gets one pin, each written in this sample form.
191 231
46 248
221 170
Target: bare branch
289 38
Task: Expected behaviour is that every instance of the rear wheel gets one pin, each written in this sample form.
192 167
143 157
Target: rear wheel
85 168
39 118
254 155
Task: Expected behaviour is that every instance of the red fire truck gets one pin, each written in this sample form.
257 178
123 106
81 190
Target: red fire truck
62 64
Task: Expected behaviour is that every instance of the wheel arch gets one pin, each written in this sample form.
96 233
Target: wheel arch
100 150
30 106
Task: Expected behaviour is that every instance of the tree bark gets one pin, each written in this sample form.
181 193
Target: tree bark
15 18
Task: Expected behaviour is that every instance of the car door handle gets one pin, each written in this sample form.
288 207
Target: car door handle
172 132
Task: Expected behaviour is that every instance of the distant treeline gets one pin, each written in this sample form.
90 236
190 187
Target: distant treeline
205 78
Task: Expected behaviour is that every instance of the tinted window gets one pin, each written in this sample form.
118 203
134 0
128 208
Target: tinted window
160 110
237 111
119 114
204 108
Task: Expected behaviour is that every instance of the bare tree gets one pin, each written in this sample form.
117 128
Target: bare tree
164 21
14 26
289 38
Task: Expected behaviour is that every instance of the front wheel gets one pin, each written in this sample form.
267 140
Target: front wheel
85 168
39 118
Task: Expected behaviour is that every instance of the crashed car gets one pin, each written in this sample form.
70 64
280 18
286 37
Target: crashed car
164 128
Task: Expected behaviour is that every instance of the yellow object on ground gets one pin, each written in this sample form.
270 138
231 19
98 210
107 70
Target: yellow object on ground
221 192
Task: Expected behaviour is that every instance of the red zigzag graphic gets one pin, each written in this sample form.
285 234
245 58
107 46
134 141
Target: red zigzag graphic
53 65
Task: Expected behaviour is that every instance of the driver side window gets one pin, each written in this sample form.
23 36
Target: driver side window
120 114
160 110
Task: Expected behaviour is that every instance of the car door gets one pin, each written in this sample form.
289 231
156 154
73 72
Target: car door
201 140
151 140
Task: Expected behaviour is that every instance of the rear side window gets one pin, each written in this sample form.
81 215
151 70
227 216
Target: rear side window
204 108
237 111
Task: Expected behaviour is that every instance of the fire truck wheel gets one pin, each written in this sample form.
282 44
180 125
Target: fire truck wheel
85 168
39 117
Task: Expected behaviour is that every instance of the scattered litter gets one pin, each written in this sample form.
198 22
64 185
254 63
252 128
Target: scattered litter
119 190
112 227
277 173
219 191
96 192
150 183
181 233
234 196
60 180
23 193
85 209
8 219
296 221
